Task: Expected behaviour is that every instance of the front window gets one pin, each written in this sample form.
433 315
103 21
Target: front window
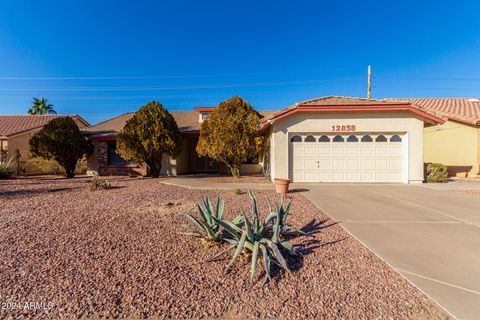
113 158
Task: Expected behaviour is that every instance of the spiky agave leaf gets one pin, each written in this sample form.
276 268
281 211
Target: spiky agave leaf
266 263
220 207
256 247
238 250
278 256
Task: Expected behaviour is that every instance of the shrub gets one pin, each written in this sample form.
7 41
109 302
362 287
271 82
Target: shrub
96 184
238 192
151 132
436 173
61 141
230 134
5 171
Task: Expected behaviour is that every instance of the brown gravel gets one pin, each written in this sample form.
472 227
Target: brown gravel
118 253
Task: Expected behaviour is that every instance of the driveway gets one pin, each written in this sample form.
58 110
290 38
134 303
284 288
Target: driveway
430 236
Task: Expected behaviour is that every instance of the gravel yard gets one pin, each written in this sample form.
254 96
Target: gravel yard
119 253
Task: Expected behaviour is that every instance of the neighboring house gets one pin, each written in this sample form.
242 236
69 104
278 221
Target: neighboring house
16 131
343 139
456 143
328 139
106 161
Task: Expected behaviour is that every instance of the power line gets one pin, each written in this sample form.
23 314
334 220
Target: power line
147 77
425 88
152 88
428 79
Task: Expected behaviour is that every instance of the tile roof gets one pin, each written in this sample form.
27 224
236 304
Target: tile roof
187 122
329 101
14 124
466 110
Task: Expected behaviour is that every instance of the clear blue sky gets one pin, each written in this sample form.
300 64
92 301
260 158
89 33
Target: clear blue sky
103 58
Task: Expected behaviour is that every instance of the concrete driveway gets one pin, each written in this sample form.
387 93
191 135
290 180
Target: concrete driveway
430 236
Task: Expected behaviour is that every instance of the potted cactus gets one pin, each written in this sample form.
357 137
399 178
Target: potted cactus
281 185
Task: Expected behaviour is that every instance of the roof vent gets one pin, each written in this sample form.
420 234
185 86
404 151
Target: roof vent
473 100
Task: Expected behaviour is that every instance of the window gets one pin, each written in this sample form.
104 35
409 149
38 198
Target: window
113 158
381 138
395 138
367 139
352 138
310 139
338 139
296 139
324 139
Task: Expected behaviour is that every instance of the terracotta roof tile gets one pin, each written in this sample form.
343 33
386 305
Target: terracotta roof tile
465 110
14 124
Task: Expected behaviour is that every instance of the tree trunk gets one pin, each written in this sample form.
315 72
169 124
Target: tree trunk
235 171
154 167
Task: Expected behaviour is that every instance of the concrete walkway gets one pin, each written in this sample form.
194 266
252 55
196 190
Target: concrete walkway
430 236
199 183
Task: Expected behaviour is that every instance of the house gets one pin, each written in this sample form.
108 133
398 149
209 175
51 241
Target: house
16 131
456 143
344 139
105 160
327 139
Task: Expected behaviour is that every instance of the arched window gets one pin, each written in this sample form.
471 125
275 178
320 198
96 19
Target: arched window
381 138
352 138
395 138
338 139
367 139
324 139
310 139
296 139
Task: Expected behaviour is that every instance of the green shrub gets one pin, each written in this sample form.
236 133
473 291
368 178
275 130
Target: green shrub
96 184
5 171
436 173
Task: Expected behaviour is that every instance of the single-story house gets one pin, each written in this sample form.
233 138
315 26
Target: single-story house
456 143
327 139
16 131
105 160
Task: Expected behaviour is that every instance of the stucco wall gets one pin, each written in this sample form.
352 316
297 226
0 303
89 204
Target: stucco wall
29 165
455 145
384 121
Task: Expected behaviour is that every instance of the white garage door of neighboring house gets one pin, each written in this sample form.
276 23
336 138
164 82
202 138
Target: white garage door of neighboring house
346 157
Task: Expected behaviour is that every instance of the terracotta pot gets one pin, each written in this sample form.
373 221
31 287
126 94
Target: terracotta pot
281 185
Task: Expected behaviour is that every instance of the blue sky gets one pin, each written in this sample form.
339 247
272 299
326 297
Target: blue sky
102 58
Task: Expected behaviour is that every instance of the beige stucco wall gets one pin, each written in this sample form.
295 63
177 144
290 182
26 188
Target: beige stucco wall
28 164
385 121
455 145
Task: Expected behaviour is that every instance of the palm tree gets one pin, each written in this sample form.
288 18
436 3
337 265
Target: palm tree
41 106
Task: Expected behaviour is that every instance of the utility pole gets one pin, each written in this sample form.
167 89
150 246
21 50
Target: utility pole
369 88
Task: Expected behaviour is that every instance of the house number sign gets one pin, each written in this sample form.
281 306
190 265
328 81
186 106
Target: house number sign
343 128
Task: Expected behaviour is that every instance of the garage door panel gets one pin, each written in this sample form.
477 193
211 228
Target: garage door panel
324 164
352 151
355 161
395 151
338 151
353 164
323 151
310 151
310 163
366 150
338 163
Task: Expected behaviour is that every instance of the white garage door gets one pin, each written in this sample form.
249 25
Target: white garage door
346 157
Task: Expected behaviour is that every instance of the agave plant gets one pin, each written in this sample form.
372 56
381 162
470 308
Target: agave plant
279 219
251 238
207 226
